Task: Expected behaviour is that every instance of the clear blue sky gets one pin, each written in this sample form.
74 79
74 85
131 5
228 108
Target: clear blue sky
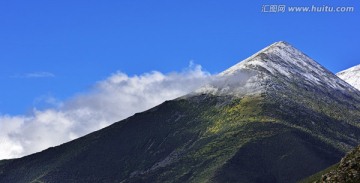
84 41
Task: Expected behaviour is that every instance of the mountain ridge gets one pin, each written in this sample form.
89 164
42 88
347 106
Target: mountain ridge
250 124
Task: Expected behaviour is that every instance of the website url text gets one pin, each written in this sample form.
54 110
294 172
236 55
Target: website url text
275 8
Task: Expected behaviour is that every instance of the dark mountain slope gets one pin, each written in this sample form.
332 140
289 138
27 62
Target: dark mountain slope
271 159
275 117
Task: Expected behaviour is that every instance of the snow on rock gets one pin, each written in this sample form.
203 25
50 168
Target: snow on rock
281 61
351 76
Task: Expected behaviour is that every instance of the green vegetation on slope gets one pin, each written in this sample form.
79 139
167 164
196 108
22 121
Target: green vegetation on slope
317 176
206 138
201 139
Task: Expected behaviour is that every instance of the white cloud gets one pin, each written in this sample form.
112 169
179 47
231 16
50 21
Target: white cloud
35 75
110 100
39 75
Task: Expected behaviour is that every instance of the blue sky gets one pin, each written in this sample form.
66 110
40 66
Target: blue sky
60 48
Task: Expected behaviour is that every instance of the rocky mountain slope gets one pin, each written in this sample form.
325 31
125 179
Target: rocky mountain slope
352 76
277 116
347 170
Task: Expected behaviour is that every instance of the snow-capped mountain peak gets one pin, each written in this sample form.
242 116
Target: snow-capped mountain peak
351 76
280 58
277 66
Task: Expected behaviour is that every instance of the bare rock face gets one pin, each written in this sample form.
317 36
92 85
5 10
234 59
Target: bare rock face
348 170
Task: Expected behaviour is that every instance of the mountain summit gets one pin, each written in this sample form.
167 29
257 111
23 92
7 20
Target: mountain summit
283 60
277 116
279 60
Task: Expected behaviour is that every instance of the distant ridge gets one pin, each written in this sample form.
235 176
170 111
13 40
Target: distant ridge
351 76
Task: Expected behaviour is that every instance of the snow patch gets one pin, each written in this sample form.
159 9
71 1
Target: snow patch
351 76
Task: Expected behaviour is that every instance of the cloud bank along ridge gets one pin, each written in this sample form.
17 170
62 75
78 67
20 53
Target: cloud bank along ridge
110 100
